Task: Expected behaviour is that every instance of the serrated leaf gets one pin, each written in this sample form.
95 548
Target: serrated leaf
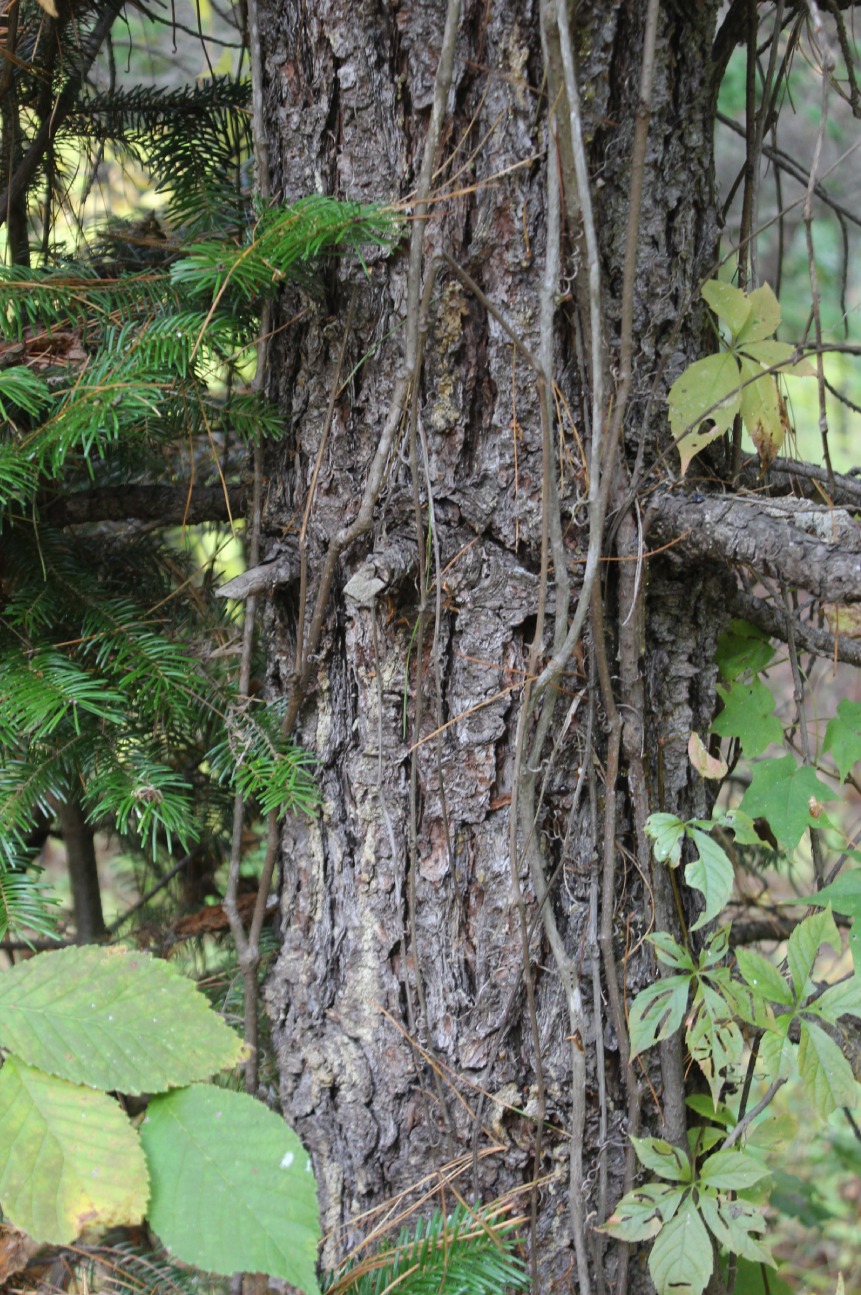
707 390
777 1052
657 1012
641 1214
681 1259
761 412
666 832
763 318
664 1159
742 827
742 648
748 714
843 737
763 977
728 302
771 353
804 945
731 1170
69 1159
703 1105
713 1039
733 1223
838 1000
781 791
112 1019
232 1187
825 1072
670 952
712 874
844 895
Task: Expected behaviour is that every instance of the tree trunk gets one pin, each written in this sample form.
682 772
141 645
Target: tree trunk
440 1008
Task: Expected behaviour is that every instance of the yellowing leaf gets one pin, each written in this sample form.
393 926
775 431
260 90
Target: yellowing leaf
728 302
707 766
49 7
69 1159
844 619
770 353
764 317
707 390
762 413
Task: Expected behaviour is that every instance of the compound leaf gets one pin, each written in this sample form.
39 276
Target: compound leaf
761 411
763 317
825 1072
728 302
664 1159
69 1159
844 895
707 390
712 874
657 1012
804 944
112 1019
232 1187
667 833
641 1214
732 1170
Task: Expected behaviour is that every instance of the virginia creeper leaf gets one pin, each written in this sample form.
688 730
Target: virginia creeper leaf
761 411
763 317
69 1159
232 1187
641 1214
657 1012
707 390
731 1170
681 1258
733 1223
112 1019
666 832
712 874
763 977
669 952
838 1000
781 791
825 1072
728 302
748 714
664 1159
769 353
804 944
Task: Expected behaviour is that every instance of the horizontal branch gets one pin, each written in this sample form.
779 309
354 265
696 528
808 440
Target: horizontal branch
165 505
807 546
809 638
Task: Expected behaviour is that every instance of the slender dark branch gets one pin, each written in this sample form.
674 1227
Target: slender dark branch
809 637
26 170
166 505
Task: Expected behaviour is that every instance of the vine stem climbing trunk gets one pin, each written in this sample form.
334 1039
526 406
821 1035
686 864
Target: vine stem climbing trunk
494 704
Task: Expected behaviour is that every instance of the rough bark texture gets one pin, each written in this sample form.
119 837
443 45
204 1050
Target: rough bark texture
399 993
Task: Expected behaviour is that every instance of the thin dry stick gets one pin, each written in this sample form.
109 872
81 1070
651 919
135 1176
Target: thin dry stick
804 736
828 64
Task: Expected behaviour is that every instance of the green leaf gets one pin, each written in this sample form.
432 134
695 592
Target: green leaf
69 1159
844 895
763 977
771 353
804 945
664 1159
742 827
826 1073
742 648
728 302
748 714
667 833
657 1012
763 318
704 1106
232 1187
777 1052
843 737
712 874
670 952
750 1280
761 412
707 390
641 1214
781 791
112 1019
681 1259
732 1223
731 1170
713 1038
838 1000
